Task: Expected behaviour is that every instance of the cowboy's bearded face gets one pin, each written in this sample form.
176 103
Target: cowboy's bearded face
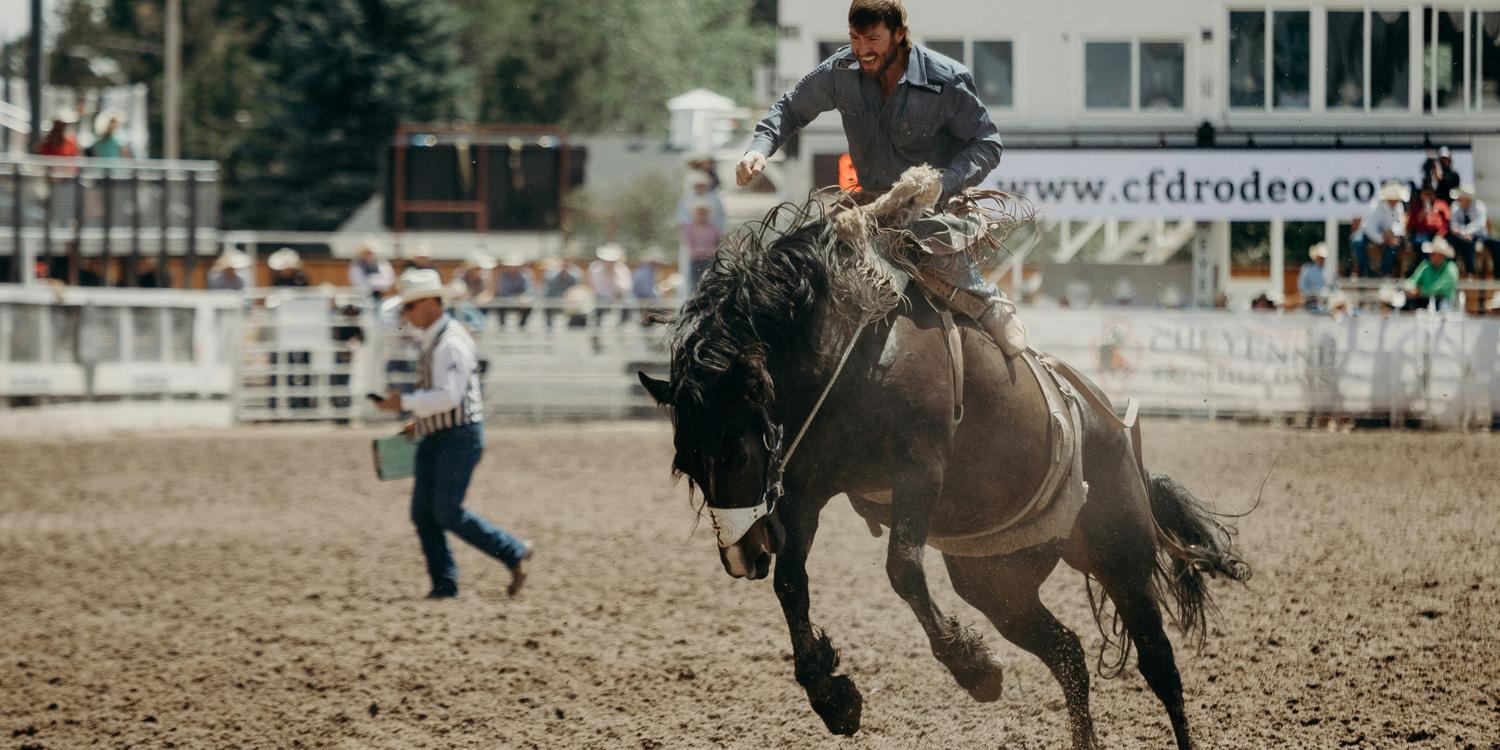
876 47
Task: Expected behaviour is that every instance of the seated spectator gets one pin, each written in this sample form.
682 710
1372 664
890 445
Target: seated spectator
1429 218
644 286
558 278
1438 170
150 274
701 188
369 271
1436 278
229 271
91 273
1468 230
58 141
107 141
421 258
1312 282
286 268
610 279
514 288
473 289
1383 226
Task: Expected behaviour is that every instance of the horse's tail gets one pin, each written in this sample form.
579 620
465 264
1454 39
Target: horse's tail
1193 547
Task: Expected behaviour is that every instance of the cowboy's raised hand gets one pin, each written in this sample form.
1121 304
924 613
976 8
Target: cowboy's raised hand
749 168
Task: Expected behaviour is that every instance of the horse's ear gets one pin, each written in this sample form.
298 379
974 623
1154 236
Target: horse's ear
660 390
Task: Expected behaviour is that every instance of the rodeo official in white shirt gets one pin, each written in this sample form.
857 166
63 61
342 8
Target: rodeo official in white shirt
448 419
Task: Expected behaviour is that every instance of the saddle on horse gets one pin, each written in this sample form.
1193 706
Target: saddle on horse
947 246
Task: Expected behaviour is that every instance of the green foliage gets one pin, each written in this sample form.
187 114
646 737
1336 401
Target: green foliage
298 99
638 216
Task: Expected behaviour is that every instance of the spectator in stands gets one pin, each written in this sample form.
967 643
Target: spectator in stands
1312 283
1436 278
421 258
369 271
514 288
645 288
107 141
1438 170
473 289
150 274
701 188
1429 218
701 237
559 277
60 142
610 279
447 416
286 268
91 273
229 271
1468 229
1383 226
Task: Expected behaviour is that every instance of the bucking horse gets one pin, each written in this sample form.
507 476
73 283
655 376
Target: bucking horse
807 365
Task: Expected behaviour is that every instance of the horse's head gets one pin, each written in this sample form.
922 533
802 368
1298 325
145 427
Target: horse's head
734 456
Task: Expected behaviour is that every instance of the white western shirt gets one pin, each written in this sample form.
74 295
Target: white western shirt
447 393
1470 222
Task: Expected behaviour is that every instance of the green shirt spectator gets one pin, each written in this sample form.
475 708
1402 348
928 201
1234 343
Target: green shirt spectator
1437 276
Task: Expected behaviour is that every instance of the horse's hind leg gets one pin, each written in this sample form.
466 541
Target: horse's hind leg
1005 590
959 649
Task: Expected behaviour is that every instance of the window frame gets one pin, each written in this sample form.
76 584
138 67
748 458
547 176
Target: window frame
967 59
1316 21
1135 41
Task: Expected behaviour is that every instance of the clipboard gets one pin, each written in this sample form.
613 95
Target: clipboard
395 457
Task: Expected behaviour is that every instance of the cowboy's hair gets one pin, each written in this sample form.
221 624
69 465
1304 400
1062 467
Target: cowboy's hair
866 13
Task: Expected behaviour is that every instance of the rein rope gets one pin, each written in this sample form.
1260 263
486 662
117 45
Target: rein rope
774 490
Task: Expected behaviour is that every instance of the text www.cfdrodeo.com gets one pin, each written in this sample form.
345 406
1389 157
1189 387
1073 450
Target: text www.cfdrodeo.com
1161 186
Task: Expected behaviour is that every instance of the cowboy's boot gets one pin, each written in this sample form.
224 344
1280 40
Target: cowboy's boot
1003 325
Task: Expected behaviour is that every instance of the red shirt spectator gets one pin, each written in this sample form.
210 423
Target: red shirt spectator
59 142
1429 216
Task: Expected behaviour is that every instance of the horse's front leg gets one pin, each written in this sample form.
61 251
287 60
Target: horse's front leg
959 649
834 697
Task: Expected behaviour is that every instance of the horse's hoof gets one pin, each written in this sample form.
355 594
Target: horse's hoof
839 705
985 684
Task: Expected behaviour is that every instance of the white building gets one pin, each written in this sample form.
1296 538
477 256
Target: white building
1102 83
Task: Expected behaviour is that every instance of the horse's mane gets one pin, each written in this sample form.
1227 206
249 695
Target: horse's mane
768 280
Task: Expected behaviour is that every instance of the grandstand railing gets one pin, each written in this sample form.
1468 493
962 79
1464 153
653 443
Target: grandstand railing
68 207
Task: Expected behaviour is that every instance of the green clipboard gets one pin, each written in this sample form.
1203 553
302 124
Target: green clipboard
395 457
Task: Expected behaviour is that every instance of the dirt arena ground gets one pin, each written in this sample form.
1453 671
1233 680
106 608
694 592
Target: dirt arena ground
259 588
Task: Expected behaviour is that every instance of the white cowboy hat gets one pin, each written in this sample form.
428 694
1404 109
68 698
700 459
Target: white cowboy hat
422 250
65 116
1462 191
283 259
239 260
372 244
1318 251
1494 302
513 259
610 252
1391 296
1444 153
419 283
102 120
480 260
1440 246
1394 191
655 255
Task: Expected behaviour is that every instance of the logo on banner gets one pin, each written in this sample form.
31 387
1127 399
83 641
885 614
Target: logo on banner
1117 352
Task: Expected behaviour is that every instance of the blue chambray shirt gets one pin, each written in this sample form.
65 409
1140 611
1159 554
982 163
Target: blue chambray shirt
932 117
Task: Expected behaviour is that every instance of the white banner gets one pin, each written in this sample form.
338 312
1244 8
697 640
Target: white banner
1280 364
1207 184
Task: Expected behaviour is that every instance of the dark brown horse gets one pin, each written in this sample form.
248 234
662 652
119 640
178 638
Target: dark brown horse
752 354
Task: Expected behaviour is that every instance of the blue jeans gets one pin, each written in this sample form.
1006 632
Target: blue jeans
445 462
1362 258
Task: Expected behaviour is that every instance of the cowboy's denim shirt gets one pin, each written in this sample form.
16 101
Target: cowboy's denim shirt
932 117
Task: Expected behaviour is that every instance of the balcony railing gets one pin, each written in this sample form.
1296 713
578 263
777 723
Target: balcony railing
60 210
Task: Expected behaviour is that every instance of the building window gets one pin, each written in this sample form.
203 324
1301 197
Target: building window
826 49
1346 59
1290 40
1107 75
1486 63
1134 75
952 48
994 73
1280 59
1162 74
1247 59
1390 59
1443 60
